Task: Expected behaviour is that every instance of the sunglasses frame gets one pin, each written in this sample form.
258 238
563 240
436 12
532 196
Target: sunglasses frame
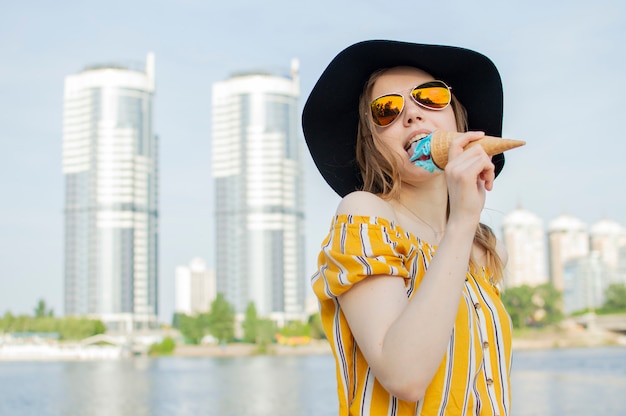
414 100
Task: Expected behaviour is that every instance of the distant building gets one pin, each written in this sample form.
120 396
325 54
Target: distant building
584 282
259 210
524 238
608 239
568 240
110 165
195 288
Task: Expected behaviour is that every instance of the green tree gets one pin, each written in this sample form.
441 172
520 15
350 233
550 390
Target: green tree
296 329
536 306
165 347
193 328
518 301
615 298
265 332
547 299
317 329
222 319
250 324
7 321
79 328
42 311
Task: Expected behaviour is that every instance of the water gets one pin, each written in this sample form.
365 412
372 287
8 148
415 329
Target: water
548 382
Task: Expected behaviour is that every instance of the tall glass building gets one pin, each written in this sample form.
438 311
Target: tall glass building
259 210
110 165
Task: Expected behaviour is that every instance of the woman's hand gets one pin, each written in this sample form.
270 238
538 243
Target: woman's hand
469 174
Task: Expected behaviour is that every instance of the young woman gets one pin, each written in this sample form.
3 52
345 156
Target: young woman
407 275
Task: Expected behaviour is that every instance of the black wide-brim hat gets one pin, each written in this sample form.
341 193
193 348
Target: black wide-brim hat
331 113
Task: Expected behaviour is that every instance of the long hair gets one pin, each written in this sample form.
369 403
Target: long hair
381 176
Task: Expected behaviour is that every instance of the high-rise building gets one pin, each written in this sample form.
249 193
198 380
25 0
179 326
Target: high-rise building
259 211
194 287
524 238
584 283
568 240
607 238
110 165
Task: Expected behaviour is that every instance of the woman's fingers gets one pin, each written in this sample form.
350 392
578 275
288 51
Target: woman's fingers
459 143
470 173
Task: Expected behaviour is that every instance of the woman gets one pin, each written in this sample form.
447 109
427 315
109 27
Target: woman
407 275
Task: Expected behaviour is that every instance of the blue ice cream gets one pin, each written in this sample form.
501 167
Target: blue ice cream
421 154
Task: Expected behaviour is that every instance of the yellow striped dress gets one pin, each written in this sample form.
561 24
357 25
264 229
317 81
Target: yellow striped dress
474 375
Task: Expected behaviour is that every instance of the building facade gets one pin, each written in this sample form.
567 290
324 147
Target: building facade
259 210
608 238
524 237
585 280
568 240
110 166
195 288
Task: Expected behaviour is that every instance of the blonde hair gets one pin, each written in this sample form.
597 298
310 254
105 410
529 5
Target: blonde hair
380 174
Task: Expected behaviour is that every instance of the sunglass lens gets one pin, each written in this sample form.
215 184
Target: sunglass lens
386 109
435 95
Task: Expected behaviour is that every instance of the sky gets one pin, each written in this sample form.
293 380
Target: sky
562 65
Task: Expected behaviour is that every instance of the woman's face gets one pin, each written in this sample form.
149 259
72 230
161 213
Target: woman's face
414 121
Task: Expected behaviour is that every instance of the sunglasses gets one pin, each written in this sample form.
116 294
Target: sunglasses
433 95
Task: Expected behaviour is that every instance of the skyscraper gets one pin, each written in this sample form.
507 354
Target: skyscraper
110 164
259 211
608 238
585 280
194 287
524 238
568 240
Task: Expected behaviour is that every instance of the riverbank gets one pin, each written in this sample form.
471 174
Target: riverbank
522 340
564 337
315 347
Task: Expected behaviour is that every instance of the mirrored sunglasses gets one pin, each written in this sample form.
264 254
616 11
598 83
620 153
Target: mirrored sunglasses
433 95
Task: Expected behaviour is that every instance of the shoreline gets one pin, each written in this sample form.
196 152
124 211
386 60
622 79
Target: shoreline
532 339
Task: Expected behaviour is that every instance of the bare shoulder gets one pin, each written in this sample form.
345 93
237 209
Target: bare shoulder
366 204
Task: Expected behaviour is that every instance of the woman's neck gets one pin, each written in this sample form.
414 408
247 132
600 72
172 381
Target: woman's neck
427 203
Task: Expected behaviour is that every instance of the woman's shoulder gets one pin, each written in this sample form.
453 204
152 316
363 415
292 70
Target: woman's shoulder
366 204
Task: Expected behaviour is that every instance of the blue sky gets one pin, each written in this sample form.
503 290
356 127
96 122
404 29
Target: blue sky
562 65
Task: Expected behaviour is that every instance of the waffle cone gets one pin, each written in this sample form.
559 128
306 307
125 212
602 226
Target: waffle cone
440 143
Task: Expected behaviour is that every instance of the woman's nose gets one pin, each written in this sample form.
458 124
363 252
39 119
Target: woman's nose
413 112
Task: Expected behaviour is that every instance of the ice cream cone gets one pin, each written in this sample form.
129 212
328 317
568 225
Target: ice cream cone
440 143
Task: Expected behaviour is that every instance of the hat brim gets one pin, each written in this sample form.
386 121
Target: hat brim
330 117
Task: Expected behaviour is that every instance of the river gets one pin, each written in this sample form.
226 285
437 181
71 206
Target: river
569 381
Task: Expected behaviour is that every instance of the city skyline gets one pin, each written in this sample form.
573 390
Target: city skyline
547 60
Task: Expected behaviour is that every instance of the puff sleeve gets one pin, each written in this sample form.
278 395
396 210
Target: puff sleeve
357 247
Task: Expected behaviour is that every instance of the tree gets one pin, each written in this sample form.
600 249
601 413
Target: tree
79 328
265 333
548 301
536 306
222 319
41 311
165 347
250 324
317 329
296 329
615 298
193 328
518 302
